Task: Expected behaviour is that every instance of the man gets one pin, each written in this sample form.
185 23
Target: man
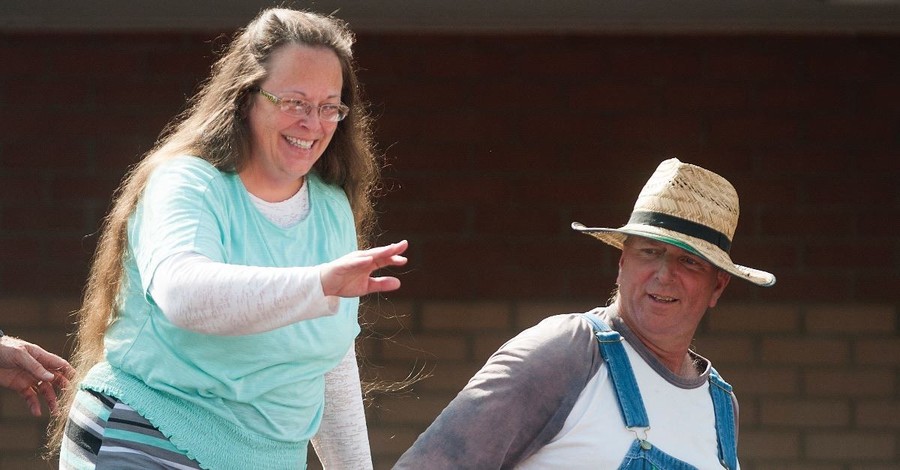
32 372
617 387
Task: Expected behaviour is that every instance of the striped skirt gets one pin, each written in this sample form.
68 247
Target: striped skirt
104 433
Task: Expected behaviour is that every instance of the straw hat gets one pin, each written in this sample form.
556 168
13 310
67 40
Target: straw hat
689 207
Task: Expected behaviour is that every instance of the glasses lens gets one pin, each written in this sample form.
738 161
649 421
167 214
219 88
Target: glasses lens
295 107
332 112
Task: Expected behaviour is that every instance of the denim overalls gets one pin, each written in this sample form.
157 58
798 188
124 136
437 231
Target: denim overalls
642 454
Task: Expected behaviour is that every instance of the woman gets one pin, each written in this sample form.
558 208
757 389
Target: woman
221 308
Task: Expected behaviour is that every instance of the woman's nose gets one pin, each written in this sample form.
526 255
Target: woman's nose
311 119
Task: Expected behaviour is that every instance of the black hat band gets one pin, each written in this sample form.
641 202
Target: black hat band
677 224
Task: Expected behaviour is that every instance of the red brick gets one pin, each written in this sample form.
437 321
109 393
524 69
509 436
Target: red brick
851 129
27 461
464 58
20 312
750 318
789 97
750 128
68 188
836 383
439 254
518 95
405 221
30 149
36 279
858 189
707 97
863 319
806 286
114 154
752 59
751 381
43 217
388 442
748 413
515 282
521 157
18 248
887 464
27 53
421 410
581 190
643 58
805 413
20 436
880 351
879 96
805 351
614 96
670 128
763 194
445 377
472 316
877 286
165 97
27 185
840 254
529 314
491 191
448 347
60 311
872 222
878 414
53 95
792 164
859 61
590 284
558 58
519 221
726 349
766 254
446 283
387 316
116 54
186 56
769 445
851 446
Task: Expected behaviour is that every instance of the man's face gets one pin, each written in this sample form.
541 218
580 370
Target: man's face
664 290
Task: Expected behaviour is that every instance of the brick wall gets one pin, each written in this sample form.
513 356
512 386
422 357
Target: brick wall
497 143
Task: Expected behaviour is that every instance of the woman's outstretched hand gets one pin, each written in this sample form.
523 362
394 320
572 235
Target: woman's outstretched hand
351 274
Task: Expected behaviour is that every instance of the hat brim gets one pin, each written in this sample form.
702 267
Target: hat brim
708 251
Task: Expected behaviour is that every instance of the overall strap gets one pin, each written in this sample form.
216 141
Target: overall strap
621 375
723 406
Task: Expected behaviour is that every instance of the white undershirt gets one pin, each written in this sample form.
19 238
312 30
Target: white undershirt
205 296
682 424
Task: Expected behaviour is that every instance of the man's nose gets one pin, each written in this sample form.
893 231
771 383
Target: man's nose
665 272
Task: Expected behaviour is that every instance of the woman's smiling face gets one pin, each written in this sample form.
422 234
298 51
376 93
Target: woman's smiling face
285 147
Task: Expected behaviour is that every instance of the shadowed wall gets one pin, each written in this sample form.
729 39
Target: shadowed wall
494 145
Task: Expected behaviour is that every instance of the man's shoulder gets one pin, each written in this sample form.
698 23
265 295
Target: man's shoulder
561 340
564 327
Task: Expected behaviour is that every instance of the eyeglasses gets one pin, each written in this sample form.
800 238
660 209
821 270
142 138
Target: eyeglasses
298 107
